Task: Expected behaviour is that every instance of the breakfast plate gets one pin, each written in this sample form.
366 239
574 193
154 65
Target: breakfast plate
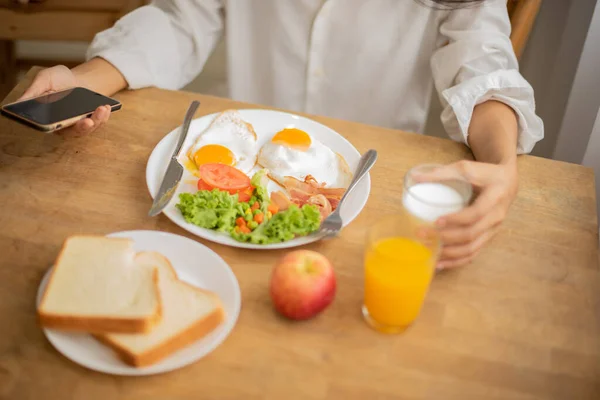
184 254
266 124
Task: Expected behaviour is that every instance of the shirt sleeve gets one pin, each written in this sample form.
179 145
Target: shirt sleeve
164 44
478 64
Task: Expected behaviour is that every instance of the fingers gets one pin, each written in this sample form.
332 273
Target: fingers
467 231
86 125
484 204
467 249
458 255
459 234
98 118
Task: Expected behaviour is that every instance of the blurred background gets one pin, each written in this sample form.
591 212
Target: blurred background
554 40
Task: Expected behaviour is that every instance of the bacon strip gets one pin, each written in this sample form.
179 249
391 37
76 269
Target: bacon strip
334 201
281 200
308 192
300 195
302 191
321 189
322 204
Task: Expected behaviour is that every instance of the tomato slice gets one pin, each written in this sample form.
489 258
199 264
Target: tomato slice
224 177
244 194
203 185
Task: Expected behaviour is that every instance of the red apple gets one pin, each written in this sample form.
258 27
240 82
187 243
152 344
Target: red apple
302 284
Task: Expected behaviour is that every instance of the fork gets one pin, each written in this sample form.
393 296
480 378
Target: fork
332 225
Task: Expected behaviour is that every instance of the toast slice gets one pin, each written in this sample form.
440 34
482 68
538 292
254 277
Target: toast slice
189 314
97 286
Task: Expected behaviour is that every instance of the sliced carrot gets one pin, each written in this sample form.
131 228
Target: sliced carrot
244 229
240 221
259 218
273 208
255 206
243 196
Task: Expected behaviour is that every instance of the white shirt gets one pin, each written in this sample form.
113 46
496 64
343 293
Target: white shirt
371 61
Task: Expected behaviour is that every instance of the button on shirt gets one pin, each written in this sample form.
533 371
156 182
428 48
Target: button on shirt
370 61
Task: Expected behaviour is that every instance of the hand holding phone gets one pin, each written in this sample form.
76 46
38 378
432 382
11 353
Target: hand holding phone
59 78
54 111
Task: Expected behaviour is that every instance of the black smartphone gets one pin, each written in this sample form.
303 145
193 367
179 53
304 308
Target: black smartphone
54 111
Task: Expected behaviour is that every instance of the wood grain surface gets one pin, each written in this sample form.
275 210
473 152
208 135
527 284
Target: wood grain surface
521 322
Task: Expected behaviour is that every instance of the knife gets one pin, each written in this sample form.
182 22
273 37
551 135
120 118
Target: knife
174 170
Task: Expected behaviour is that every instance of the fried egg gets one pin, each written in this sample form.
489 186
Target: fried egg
293 152
228 140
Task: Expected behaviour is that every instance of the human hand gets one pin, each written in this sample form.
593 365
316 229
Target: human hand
464 233
57 78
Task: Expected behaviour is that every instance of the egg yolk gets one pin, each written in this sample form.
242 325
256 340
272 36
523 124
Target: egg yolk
213 153
292 137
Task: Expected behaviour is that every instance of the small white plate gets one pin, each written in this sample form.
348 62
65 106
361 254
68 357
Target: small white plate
195 264
266 123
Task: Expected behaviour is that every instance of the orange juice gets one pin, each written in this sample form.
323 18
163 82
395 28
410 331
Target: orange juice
398 272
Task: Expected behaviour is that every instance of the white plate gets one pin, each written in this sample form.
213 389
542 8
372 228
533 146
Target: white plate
266 123
212 274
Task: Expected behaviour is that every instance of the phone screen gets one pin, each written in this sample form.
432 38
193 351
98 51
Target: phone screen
59 106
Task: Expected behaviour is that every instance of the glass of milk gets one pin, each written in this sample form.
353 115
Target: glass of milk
429 196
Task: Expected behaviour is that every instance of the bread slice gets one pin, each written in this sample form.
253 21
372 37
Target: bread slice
189 314
97 286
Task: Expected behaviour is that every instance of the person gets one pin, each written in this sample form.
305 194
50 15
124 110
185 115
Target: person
369 61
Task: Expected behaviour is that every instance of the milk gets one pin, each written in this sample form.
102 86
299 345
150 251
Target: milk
431 200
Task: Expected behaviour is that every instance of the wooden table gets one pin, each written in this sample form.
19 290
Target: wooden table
522 322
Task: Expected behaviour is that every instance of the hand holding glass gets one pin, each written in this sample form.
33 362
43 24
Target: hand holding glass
399 260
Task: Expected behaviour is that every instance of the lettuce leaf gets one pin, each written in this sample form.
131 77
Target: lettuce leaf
259 181
214 209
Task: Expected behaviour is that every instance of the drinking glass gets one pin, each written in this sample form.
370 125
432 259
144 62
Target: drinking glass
399 266
429 194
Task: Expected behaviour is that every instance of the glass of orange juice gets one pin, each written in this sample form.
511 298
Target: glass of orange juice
399 266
